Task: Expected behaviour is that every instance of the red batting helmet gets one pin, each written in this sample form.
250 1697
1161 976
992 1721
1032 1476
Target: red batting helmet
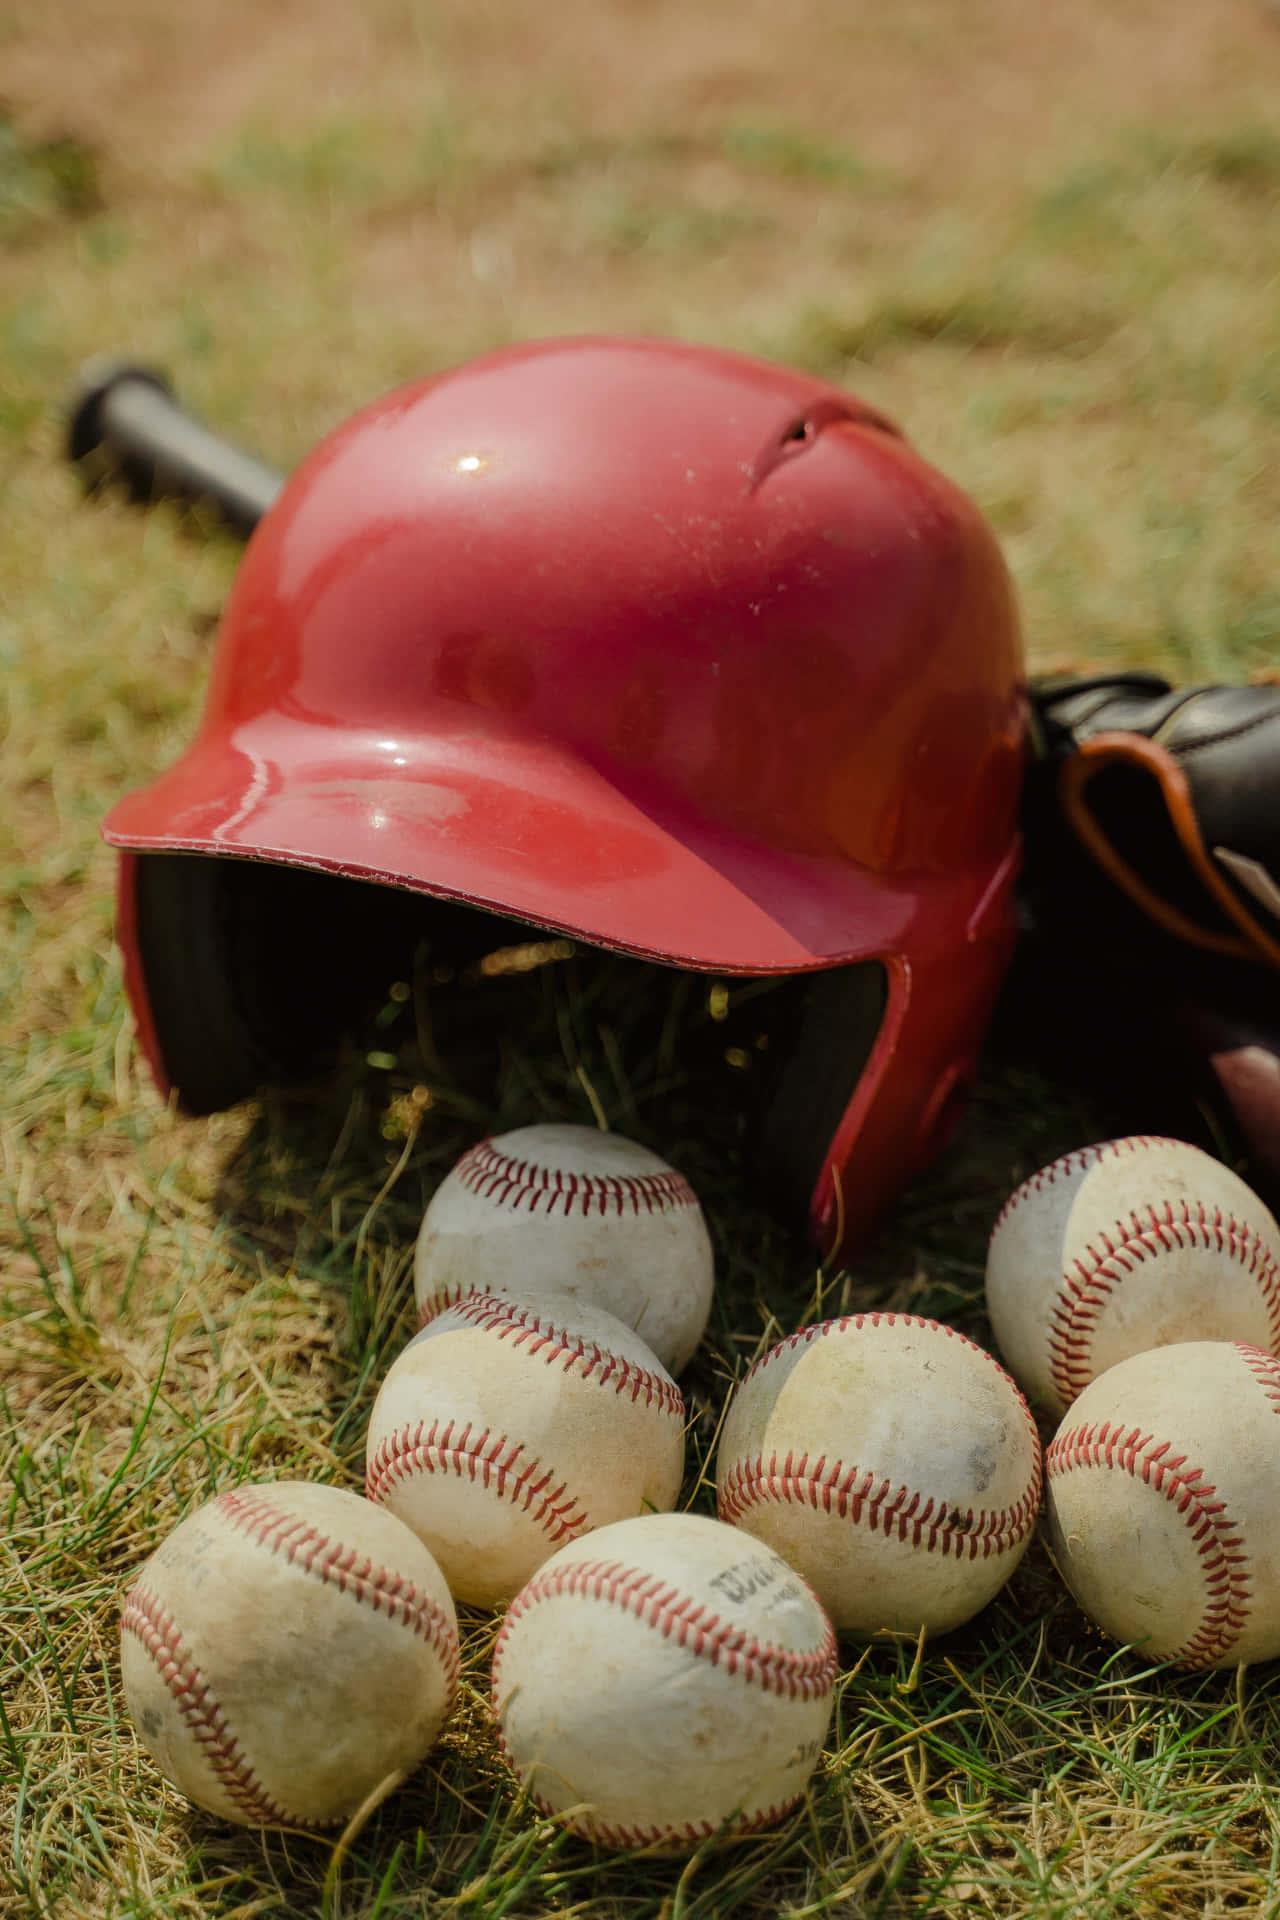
682 654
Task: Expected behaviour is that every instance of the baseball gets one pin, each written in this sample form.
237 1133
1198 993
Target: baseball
512 1424
1164 1503
892 1462
1132 1244
287 1650
565 1209
663 1681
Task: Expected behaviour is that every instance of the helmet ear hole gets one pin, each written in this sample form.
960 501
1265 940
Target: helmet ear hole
833 1019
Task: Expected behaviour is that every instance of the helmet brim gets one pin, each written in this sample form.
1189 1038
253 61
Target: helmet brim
534 834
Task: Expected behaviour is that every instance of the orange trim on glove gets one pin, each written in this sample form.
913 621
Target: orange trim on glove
1077 771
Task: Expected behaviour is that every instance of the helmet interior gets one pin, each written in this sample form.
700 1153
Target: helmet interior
280 967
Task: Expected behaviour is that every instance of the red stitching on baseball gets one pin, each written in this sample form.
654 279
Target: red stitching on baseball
304 1546
1215 1535
526 1328
1265 1369
485 1170
1079 1162
852 1493
157 1632
692 1625
1088 1284
689 1835
436 1303
499 1464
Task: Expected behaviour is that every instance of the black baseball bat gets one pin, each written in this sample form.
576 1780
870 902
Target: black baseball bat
124 423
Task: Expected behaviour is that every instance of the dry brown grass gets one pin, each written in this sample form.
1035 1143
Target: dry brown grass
1045 240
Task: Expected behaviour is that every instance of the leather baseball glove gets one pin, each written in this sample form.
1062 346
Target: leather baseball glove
1152 899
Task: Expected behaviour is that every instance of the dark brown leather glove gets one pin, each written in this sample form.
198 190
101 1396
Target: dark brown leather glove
1150 970
1175 793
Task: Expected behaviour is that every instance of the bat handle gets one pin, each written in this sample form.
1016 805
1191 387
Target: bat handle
124 422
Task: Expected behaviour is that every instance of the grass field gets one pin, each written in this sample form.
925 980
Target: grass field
1045 240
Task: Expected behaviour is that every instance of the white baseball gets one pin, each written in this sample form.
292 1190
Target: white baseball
1164 1503
663 1680
512 1424
1132 1244
892 1462
286 1651
567 1209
